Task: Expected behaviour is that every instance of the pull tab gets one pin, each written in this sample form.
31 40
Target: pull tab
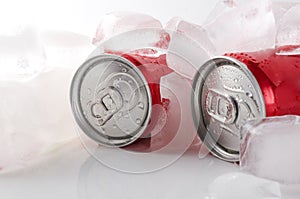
109 101
221 107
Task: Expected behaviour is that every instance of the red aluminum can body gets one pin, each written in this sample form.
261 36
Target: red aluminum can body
278 77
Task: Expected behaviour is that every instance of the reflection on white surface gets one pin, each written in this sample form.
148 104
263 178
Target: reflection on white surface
239 185
186 178
70 172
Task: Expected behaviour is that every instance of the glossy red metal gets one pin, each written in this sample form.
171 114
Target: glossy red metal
278 77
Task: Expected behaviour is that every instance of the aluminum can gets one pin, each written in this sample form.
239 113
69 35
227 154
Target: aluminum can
113 94
236 87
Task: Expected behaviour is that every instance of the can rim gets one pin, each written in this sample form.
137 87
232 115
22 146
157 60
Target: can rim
197 110
77 110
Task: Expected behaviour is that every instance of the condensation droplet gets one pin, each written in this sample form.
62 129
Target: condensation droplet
124 70
114 126
89 91
249 94
141 105
138 121
235 80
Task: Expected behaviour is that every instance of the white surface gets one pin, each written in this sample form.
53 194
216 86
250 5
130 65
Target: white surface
70 172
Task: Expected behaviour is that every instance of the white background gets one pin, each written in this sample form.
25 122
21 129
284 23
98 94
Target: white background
83 15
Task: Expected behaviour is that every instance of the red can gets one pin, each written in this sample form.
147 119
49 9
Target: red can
236 87
116 99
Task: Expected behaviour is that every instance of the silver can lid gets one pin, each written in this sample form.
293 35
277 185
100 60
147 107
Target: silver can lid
226 95
111 100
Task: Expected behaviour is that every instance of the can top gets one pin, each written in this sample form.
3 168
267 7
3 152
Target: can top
111 100
226 95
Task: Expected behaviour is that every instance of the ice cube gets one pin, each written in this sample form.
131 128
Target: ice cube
116 23
151 39
288 32
270 148
280 7
21 52
175 88
189 47
34 115
241 25
65 49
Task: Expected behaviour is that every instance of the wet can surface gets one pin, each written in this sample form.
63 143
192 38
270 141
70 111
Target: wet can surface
233 88
113 95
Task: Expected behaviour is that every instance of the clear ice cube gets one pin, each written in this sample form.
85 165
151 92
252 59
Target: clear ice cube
35 75
288 32
241 25
189 47
270 148
21 52
116 23
34 116
65 49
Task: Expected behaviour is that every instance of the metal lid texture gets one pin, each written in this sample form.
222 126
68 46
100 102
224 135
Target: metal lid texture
226 95
110 100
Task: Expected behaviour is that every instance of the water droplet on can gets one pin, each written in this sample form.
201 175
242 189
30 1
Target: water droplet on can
89 91
141 105
138 121
249 94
